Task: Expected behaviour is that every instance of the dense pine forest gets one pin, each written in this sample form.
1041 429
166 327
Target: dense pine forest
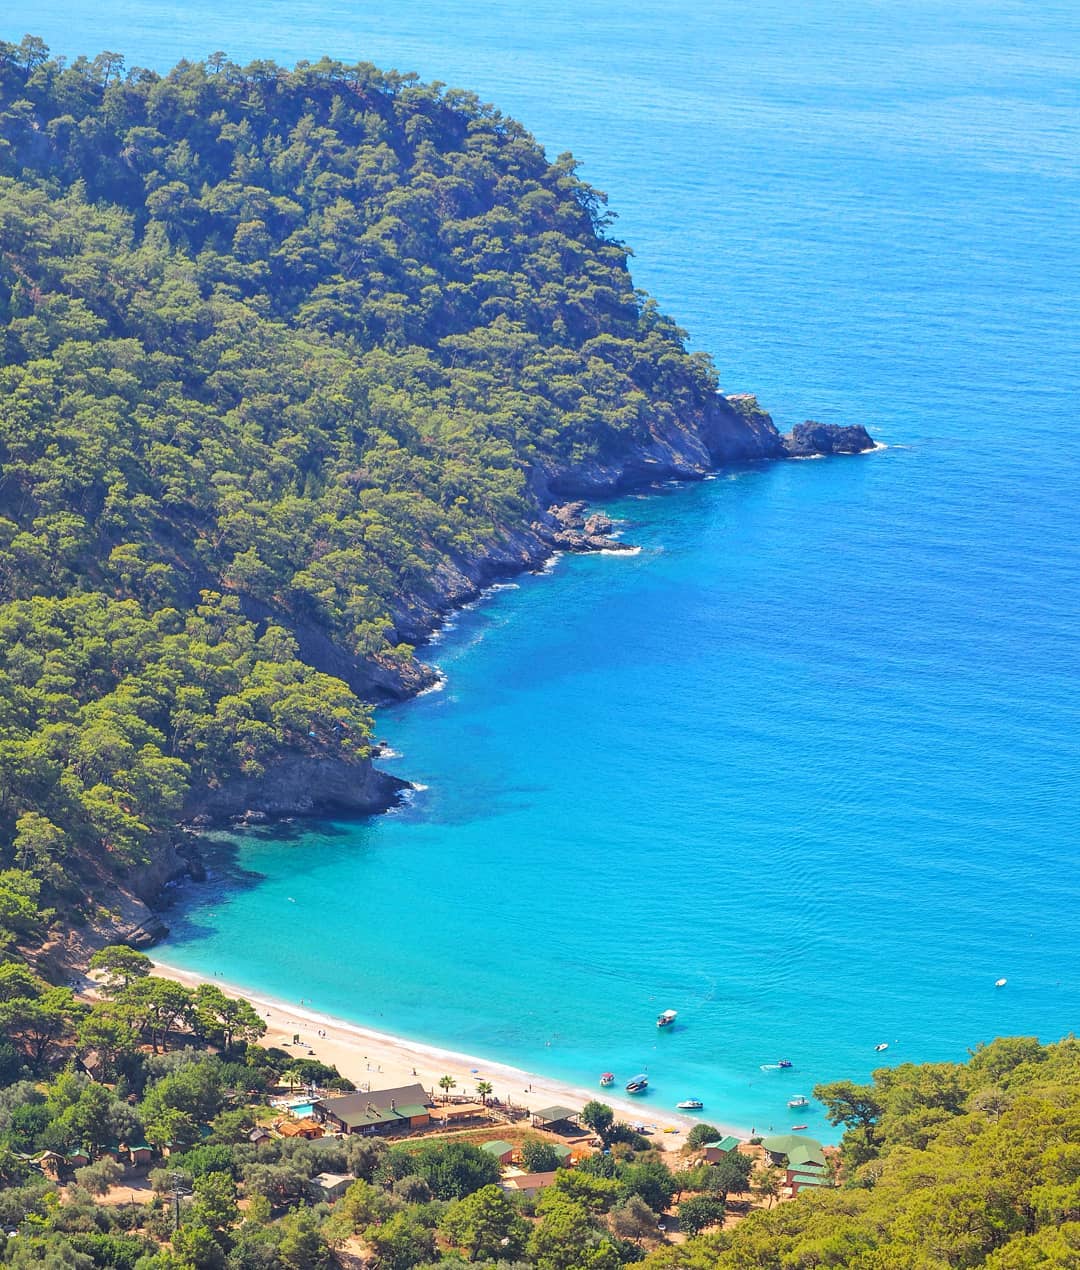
287 359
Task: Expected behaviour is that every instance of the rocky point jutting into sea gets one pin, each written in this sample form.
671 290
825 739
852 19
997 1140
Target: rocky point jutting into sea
736 430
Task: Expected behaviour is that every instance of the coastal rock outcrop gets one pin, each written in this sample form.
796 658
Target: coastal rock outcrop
810 438
296 784
579 531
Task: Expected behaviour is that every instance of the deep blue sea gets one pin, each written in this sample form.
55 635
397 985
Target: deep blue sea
807 768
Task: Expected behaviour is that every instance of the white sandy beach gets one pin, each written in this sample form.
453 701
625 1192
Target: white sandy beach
382 1062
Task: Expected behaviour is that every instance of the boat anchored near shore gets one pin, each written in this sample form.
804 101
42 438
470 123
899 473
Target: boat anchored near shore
606 1079
638 1084
690 1104
667 1018
798 1101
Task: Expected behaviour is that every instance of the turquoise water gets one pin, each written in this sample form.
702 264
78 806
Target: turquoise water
804 769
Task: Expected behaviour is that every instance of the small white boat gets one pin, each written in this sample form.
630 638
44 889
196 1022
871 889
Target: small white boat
638 1085
883 1046
607 1078
798 1101
690 1104
1001 983
667 1018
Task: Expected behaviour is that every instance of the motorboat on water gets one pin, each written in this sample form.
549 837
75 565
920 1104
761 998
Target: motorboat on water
780 1065
638 1085
667 1018
606 1079
798 1101
883 1046
800 1126
1000 983
690 1104
783 1062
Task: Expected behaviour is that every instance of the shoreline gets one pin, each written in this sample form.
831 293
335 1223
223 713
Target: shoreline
364 1055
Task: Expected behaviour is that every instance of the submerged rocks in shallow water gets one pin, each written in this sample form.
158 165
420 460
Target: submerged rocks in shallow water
810 438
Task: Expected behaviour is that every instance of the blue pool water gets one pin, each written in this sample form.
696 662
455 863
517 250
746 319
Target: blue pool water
804 769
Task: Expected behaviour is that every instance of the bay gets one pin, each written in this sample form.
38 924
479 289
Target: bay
805 768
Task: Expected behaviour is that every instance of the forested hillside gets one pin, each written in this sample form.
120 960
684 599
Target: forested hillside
288 361
944 1165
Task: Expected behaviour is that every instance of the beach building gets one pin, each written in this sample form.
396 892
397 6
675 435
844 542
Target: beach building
455 1113
307 1128
328 1187
502 1151
527 1183
377 1112
557 1119
798 1180
794 1150
51 1164
714 1152
803 1160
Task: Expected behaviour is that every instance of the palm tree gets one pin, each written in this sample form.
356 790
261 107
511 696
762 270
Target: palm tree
446 1083
484 1088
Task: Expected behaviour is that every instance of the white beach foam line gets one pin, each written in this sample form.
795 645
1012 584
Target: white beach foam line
367 1056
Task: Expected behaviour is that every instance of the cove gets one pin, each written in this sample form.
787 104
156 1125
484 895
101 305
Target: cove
804 769
764 785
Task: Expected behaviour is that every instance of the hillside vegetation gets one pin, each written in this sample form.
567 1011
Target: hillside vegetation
945 1165
283 355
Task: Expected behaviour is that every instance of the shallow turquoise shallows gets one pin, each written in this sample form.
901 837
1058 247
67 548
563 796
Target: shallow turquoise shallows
806 768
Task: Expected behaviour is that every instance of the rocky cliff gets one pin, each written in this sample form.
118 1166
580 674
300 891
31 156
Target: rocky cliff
733 430
295 784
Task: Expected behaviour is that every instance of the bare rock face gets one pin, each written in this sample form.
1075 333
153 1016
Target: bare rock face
296 784
738 430
810 438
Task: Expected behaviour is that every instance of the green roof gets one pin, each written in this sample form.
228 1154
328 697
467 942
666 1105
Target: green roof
727 1143
785 1143
496 1147
799 1178
810 1153
140 1146
563 1152
551 1114
383 1115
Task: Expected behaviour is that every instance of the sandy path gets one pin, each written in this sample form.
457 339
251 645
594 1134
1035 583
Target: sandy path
383 1062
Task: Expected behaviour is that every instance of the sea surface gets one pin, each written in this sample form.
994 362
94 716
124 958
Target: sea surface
804 769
